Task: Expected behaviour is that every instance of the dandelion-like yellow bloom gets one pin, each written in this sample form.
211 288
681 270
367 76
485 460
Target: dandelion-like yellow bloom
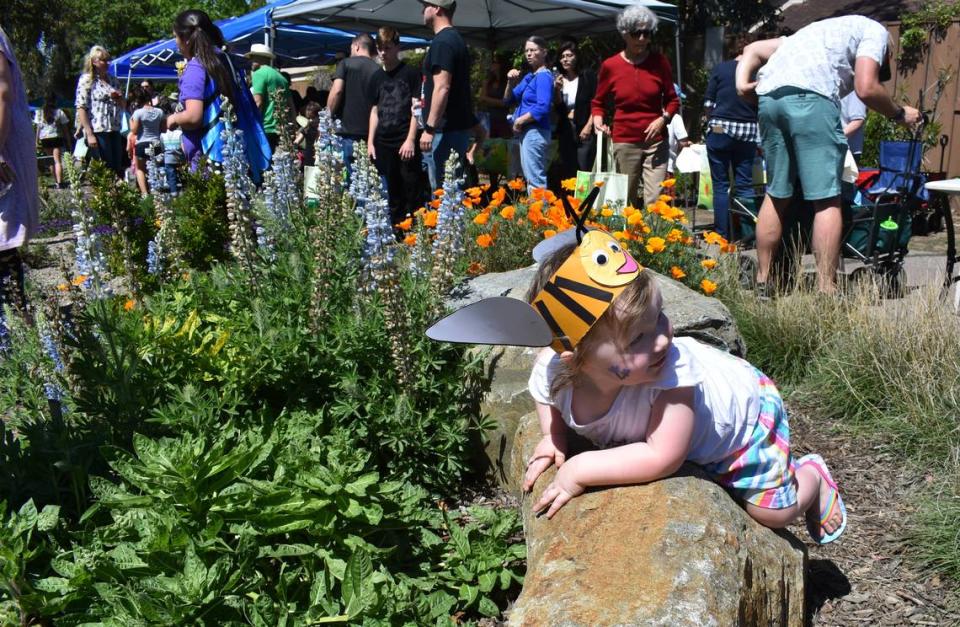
677 273
63 287
708 286
709 264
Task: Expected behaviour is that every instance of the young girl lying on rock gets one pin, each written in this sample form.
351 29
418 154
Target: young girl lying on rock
650 401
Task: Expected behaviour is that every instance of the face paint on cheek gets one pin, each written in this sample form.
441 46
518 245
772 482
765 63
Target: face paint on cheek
620 373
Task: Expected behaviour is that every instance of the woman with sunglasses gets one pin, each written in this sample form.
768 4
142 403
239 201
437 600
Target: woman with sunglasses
639 82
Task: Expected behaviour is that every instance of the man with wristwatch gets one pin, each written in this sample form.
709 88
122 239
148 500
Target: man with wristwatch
800 84
447 99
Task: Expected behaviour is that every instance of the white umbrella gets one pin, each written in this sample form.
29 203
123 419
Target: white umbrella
481 22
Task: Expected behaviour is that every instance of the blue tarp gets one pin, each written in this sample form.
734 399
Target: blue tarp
293 44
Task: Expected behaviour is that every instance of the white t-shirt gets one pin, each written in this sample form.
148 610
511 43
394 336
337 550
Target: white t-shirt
852 108
820 57
50 130
569 91
726 401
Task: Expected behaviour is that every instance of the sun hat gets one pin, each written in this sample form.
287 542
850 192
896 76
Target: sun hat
261 51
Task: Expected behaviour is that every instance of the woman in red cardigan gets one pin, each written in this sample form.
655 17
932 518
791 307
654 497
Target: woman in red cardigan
640 84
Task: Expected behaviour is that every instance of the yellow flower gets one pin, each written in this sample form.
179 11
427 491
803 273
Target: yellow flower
549 233
508 212
677 273
646 229
185 276
606 213
629 210
621 235
63 287
79 280
406 225
636 219
709 264
569 184
130 304
481 218
484 241
675 236
708 286
656 245
664 198
669 183
712 237
157 223
410 240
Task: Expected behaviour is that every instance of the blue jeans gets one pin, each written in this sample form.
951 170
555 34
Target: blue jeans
173 185
443 144
109 150
346 149
534 143
723 152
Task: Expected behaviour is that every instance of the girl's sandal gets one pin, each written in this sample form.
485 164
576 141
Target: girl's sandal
815 525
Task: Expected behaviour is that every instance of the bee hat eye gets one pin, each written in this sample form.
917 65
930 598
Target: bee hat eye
600 258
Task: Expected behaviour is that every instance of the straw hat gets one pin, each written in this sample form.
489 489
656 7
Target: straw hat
260 51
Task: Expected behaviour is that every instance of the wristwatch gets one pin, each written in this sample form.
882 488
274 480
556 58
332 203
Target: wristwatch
900 115
429 129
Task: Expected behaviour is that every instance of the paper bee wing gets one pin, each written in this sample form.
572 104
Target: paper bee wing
552 244
499 320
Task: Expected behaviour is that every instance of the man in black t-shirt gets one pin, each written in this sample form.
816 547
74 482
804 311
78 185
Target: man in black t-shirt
349 97
392 139
447 100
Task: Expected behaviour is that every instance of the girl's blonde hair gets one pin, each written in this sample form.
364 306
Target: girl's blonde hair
631 304
96 52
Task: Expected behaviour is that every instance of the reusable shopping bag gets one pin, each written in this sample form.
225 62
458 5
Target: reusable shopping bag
615 188
705 189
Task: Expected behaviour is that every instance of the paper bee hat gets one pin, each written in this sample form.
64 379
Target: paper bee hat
570 303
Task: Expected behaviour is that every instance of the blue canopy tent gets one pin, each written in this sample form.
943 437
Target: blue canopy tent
293 45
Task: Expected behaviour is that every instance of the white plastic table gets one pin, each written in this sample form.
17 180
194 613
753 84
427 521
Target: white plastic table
950 187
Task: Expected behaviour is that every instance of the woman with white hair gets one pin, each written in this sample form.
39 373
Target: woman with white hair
639 83
99 107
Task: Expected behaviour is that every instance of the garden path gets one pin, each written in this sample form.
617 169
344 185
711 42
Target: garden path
867 577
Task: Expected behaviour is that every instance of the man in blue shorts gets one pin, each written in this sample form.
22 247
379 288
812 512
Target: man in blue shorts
800 84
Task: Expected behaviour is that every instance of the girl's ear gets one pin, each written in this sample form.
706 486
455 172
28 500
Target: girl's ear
567 358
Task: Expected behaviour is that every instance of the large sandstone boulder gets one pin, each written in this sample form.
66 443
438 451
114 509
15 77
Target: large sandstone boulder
671 553
691 313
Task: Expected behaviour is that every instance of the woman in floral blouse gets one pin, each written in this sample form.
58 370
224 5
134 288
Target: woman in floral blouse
99 107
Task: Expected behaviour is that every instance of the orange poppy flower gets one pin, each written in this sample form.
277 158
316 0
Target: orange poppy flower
498 197
516 184
438 193
549 233
484 240
709 264
430 219
635 219
508 212
708 286
712 237
677 273
473 191
405 225
130 304
656 245
475 268
410 240
481 218
606 213
79 280
675 236
669 183
569 184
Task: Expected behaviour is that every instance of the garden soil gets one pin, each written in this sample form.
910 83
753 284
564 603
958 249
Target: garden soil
867 577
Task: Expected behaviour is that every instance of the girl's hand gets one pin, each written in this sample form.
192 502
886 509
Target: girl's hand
655 128
545 455
562 489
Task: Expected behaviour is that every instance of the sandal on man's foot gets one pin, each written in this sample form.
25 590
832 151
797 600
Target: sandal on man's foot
834 502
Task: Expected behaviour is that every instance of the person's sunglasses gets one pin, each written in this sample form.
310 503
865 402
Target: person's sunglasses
643 32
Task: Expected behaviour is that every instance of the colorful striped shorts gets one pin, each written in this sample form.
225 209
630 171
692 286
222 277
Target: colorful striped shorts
762 472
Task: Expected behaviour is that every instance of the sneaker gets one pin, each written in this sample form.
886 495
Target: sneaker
764 291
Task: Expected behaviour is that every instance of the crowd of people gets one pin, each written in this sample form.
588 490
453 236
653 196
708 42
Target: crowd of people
768 99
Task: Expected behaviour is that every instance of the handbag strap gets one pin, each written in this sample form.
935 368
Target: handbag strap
598 159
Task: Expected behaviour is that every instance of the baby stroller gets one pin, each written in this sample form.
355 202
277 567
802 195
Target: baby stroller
881 212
